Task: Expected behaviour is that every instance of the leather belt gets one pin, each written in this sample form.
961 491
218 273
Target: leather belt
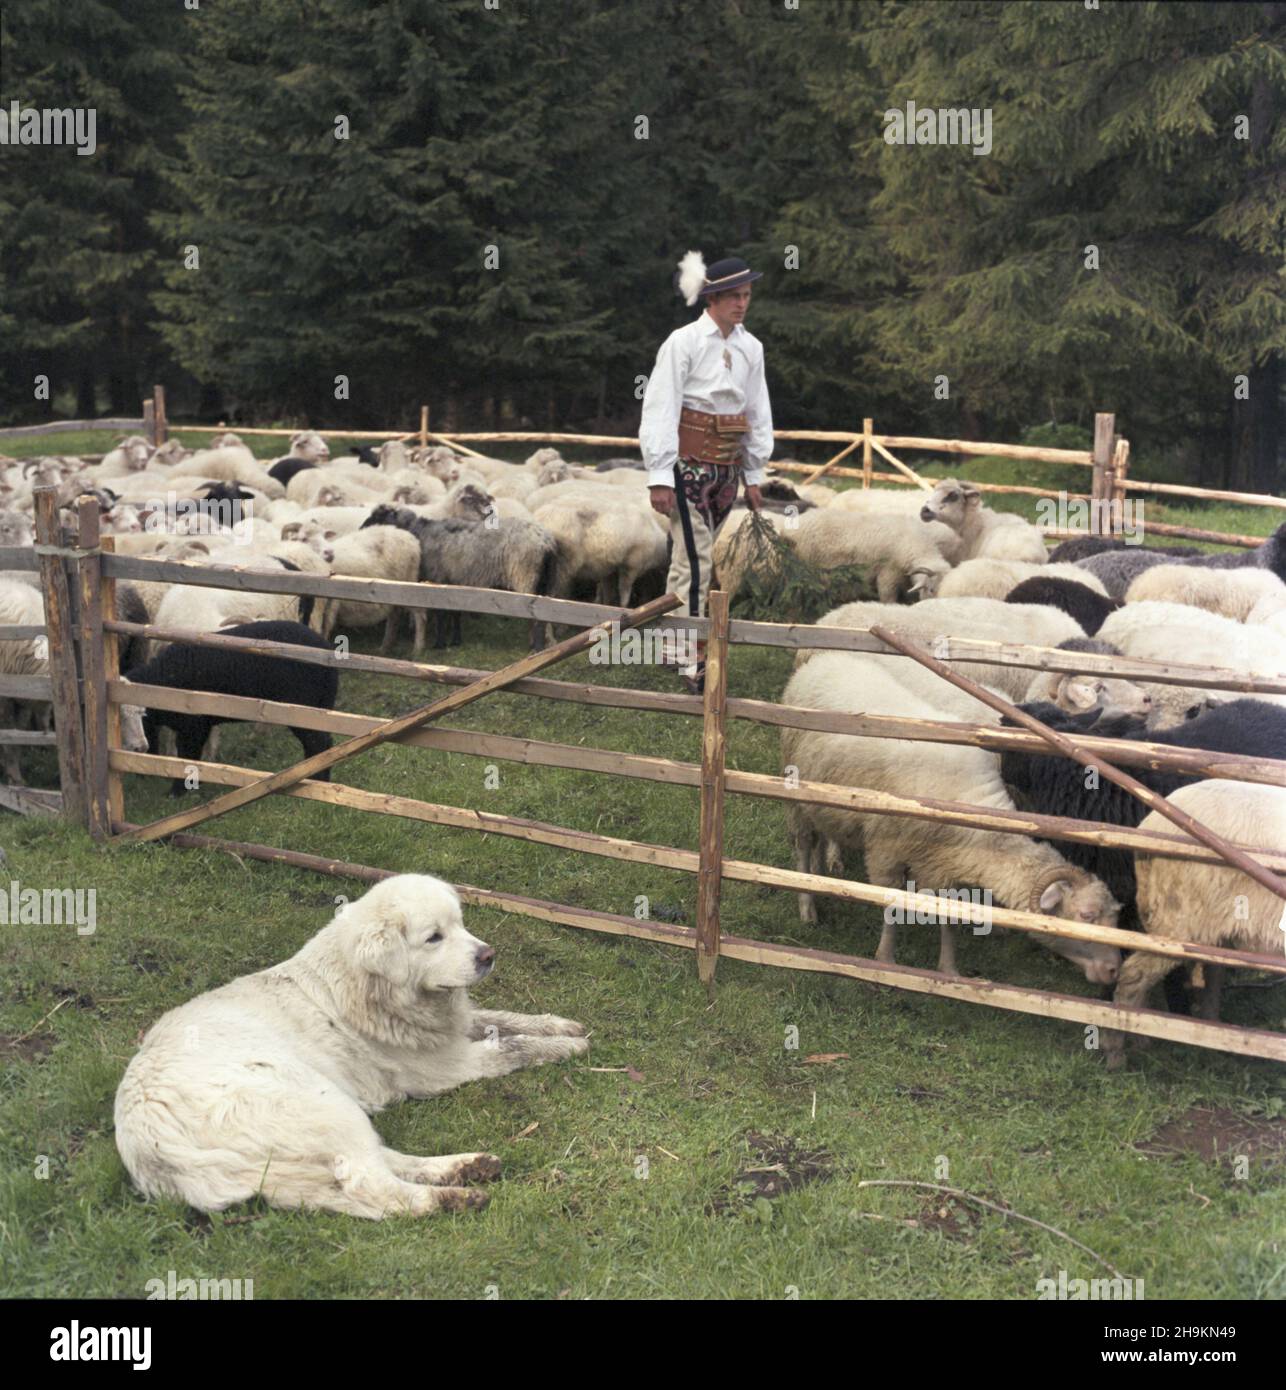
703 436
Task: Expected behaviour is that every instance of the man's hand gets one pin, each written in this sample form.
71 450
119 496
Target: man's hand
662 500
754 498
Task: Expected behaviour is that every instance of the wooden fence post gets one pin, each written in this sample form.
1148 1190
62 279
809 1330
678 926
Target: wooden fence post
1101 487
1120 494
62 655
424 426
149 420
867 428
94 688
111 672
710 868
161 421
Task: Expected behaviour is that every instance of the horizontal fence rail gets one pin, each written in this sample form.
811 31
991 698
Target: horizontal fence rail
510 748
497 602
1154 756
687 861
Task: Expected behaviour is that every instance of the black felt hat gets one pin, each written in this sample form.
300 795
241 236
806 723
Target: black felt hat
729 274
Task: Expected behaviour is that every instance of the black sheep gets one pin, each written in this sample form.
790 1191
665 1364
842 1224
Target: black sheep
285 468
367 454
1081 603
247 674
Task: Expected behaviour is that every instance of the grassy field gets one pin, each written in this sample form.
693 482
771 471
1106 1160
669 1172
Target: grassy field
709 1159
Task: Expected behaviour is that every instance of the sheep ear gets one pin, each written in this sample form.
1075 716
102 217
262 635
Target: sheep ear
1053 895
381 949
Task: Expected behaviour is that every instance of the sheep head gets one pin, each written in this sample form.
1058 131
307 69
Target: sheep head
1066 891
950 503
307 444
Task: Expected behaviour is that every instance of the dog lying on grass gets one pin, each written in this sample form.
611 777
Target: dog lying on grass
264 1085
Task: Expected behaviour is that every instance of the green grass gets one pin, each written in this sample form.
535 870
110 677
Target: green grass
1015 1107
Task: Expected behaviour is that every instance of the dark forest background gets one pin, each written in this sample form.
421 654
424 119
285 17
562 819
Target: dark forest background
516 127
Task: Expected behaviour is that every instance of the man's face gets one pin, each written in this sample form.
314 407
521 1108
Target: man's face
729 308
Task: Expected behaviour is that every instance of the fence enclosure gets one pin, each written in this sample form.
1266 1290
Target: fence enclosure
85 687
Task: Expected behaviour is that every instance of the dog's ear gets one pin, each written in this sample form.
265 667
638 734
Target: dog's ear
381 949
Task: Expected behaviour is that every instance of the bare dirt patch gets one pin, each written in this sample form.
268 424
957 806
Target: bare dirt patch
777 1164
22 1049
1218 1134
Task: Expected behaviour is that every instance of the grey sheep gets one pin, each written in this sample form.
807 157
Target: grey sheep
1118 569
500 553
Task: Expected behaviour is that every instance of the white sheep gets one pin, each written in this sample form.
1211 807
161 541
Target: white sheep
1175 633
1231 593
1019 873
129 456
982 531
611 545
1271 612
904 555
1203 902
988 577
20 606
989 620
882 500
322 487
375 552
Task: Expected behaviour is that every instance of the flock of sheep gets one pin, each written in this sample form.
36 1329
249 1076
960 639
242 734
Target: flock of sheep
943 564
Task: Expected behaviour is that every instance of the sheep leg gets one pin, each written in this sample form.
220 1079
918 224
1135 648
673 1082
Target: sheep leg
1210 999
803 840
314 741
390 631
947 949
1139 973
420 619
887 874
9 752
886 584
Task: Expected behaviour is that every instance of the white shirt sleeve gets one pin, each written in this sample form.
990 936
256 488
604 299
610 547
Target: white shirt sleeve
662 402
759 439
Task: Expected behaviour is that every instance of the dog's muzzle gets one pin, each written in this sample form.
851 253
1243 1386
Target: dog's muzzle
484 962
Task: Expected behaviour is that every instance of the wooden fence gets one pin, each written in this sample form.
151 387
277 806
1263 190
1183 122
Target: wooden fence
87 691
1108 460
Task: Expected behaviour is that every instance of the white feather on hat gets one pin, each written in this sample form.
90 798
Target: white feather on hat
692 276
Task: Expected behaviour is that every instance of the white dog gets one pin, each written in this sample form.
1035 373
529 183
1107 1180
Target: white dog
264 1086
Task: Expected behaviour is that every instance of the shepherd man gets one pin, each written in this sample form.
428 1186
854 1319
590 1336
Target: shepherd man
707 424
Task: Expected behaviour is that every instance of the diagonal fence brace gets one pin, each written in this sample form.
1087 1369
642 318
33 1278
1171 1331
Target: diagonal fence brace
395 728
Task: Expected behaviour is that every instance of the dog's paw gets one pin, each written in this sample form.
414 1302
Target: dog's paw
461 1199
479 1168
557 1027
561 1048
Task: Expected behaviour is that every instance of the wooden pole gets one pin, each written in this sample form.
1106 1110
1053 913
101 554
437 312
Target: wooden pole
149 421
160 421
1120 467
62 655
900 466
1101 487
424 426
395 728
710 872
111 672
94 685
830 463
1229 853
868 426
